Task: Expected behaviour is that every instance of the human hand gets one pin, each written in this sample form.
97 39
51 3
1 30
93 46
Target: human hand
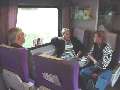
92 58
79 53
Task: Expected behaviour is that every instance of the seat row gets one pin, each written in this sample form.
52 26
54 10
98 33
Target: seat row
41 73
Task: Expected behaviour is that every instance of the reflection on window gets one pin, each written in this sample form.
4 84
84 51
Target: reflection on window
110 13
39 25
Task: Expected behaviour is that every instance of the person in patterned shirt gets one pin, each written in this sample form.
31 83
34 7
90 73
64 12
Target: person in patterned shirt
100 55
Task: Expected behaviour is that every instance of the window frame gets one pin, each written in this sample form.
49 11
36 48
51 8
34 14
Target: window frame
59 21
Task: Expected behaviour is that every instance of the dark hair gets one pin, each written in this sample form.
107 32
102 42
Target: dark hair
59 44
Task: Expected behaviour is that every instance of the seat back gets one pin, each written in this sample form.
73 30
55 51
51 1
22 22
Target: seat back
88 39
55 74
111 39
15 60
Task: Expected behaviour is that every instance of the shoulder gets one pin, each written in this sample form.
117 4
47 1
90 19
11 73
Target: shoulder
108 48
16 45
75 40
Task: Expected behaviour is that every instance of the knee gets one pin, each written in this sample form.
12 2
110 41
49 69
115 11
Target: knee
104 80
106 75
101 84
82 72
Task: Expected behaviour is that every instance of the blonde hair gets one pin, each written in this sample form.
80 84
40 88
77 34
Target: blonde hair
12 33
65 30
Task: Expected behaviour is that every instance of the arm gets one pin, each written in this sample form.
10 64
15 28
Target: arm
90 55
92 59
78 47
107 56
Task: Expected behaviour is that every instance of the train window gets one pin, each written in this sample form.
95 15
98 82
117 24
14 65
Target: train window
39 25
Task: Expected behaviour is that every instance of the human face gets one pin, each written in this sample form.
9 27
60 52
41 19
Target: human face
67 36
97 39
20 38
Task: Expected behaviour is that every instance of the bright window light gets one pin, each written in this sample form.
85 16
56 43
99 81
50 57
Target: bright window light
38 23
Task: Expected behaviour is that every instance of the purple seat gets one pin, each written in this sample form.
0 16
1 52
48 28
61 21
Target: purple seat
55 74
15 60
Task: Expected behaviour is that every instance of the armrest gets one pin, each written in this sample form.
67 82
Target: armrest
12 80
28 86
115 76
116 68
43 88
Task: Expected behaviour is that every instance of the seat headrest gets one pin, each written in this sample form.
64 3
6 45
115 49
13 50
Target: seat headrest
15 60
111 39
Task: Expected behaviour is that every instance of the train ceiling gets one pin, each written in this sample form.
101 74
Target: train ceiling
104 5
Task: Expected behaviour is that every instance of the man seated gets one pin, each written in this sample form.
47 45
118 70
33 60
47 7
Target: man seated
16 37
67 47
100 55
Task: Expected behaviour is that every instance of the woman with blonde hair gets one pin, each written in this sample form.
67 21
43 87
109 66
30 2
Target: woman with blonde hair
67 47
100 56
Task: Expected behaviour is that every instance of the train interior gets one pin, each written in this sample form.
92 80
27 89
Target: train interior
34 67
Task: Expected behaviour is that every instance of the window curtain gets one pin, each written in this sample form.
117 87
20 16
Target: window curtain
8 18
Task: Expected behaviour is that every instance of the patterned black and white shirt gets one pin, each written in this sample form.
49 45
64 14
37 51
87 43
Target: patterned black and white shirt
103 54
69 52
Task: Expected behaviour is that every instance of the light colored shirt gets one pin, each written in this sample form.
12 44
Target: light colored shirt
69 53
